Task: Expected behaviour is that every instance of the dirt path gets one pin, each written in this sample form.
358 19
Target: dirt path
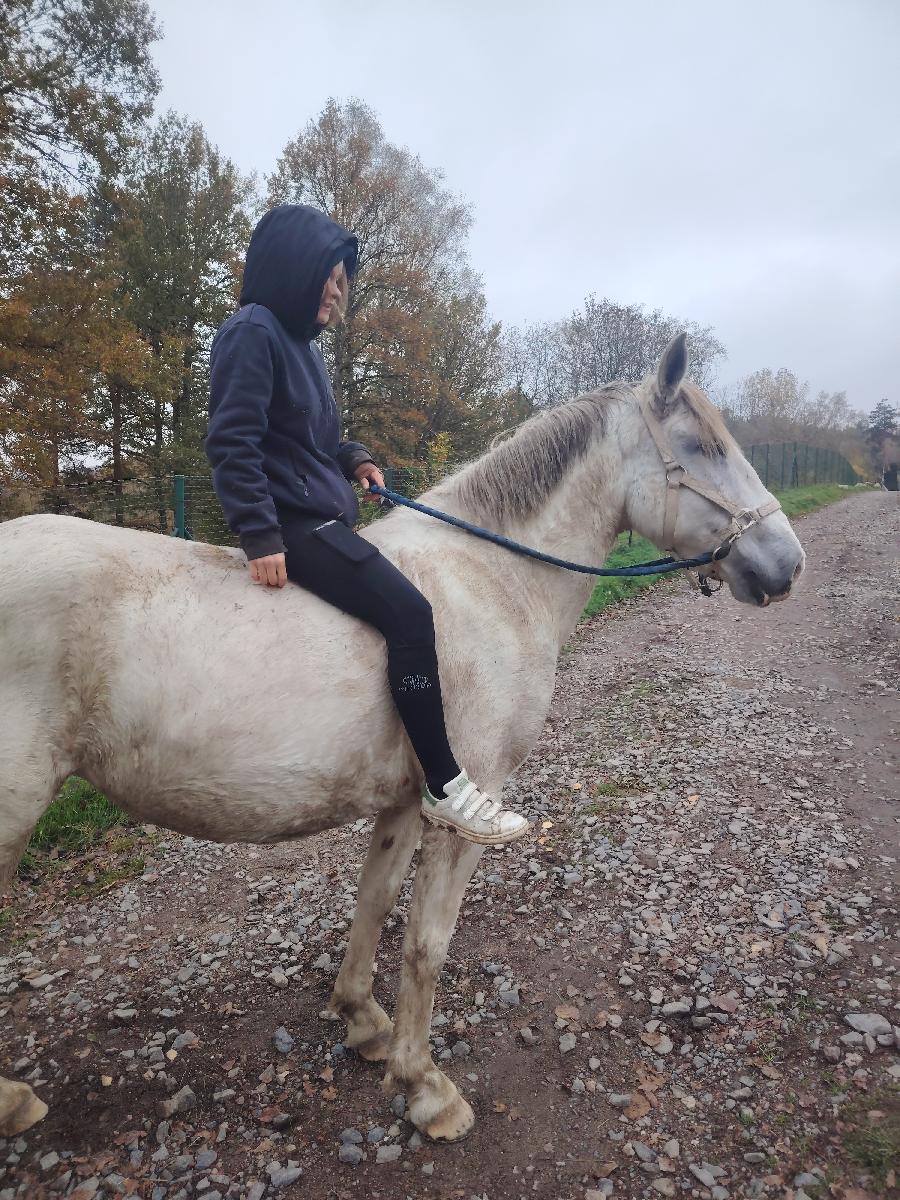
651 999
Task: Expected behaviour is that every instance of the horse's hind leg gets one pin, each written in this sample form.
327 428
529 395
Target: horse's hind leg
30 777
394 840
446 863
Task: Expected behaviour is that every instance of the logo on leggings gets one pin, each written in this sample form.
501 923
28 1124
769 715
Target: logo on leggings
414 683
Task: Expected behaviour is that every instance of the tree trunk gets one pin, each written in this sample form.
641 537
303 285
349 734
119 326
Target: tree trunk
115 396
57 502
181 403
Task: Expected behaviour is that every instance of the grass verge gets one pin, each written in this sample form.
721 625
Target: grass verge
77 819
872 1143
796 502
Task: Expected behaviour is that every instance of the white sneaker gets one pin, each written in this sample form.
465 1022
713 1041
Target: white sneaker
472 814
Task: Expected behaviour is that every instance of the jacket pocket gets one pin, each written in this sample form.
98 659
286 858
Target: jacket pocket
345 542
299 473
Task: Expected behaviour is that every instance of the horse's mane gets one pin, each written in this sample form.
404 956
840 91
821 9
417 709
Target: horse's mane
712 432
515 477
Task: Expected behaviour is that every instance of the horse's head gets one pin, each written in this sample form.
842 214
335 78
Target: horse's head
693 490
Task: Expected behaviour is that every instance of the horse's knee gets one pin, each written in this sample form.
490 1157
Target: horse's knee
423 965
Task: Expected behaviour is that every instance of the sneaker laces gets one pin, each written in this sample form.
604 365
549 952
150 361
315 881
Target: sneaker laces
482 805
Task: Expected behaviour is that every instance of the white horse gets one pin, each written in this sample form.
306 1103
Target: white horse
153 668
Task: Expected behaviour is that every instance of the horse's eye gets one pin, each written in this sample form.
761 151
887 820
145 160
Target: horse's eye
693 445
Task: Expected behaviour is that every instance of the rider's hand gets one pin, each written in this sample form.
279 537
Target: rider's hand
270 571
367 473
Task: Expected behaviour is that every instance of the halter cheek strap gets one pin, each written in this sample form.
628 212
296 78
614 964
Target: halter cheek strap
677 477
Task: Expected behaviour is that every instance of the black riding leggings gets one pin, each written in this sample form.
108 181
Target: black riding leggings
339 566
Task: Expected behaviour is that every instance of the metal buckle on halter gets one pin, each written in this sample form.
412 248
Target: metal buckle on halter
743 519
748 517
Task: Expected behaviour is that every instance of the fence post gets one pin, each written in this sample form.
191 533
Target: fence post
766 480
178 506
816 465
795 469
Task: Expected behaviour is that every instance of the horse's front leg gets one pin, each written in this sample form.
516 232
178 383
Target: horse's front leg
445 866
394 840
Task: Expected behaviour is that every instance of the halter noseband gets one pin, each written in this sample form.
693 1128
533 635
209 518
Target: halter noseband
677 477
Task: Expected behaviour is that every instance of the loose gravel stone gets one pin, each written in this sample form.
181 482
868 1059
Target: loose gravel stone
677 1008
181 1102
284 1043
871 1023
280 1177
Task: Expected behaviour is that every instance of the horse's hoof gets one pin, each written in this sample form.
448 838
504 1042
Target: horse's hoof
369 1028
375 1048
452 1123
20 1108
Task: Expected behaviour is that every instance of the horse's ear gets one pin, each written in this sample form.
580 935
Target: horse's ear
671 372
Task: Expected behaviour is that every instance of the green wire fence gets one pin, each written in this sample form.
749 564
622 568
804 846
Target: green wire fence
186 505
795 464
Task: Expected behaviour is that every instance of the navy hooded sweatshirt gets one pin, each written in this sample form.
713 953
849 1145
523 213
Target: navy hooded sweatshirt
274 429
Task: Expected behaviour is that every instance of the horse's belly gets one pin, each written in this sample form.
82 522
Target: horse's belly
271 799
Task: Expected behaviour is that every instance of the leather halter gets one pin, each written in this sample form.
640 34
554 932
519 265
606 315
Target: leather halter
677 477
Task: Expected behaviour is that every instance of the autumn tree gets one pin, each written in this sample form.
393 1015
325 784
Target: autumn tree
600 342
63 337
881 428
405 363
76 84
179 225
769 404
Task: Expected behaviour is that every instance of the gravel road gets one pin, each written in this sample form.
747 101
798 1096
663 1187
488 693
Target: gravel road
685 983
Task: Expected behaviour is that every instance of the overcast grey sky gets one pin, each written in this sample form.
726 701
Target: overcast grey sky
737 164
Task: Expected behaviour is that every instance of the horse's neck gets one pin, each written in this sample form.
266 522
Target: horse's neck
578 522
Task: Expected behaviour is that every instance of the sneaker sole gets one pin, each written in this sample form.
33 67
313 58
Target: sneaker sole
480 839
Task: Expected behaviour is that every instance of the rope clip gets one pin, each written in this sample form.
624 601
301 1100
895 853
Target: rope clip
706 587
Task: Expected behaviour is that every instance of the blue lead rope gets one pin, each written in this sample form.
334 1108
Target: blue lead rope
659 566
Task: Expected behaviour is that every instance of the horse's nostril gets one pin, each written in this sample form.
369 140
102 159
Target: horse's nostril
797 571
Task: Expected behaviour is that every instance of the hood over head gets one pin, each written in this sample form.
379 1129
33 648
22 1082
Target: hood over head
291 253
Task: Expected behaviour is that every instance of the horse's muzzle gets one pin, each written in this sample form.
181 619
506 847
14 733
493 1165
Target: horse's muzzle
766 586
